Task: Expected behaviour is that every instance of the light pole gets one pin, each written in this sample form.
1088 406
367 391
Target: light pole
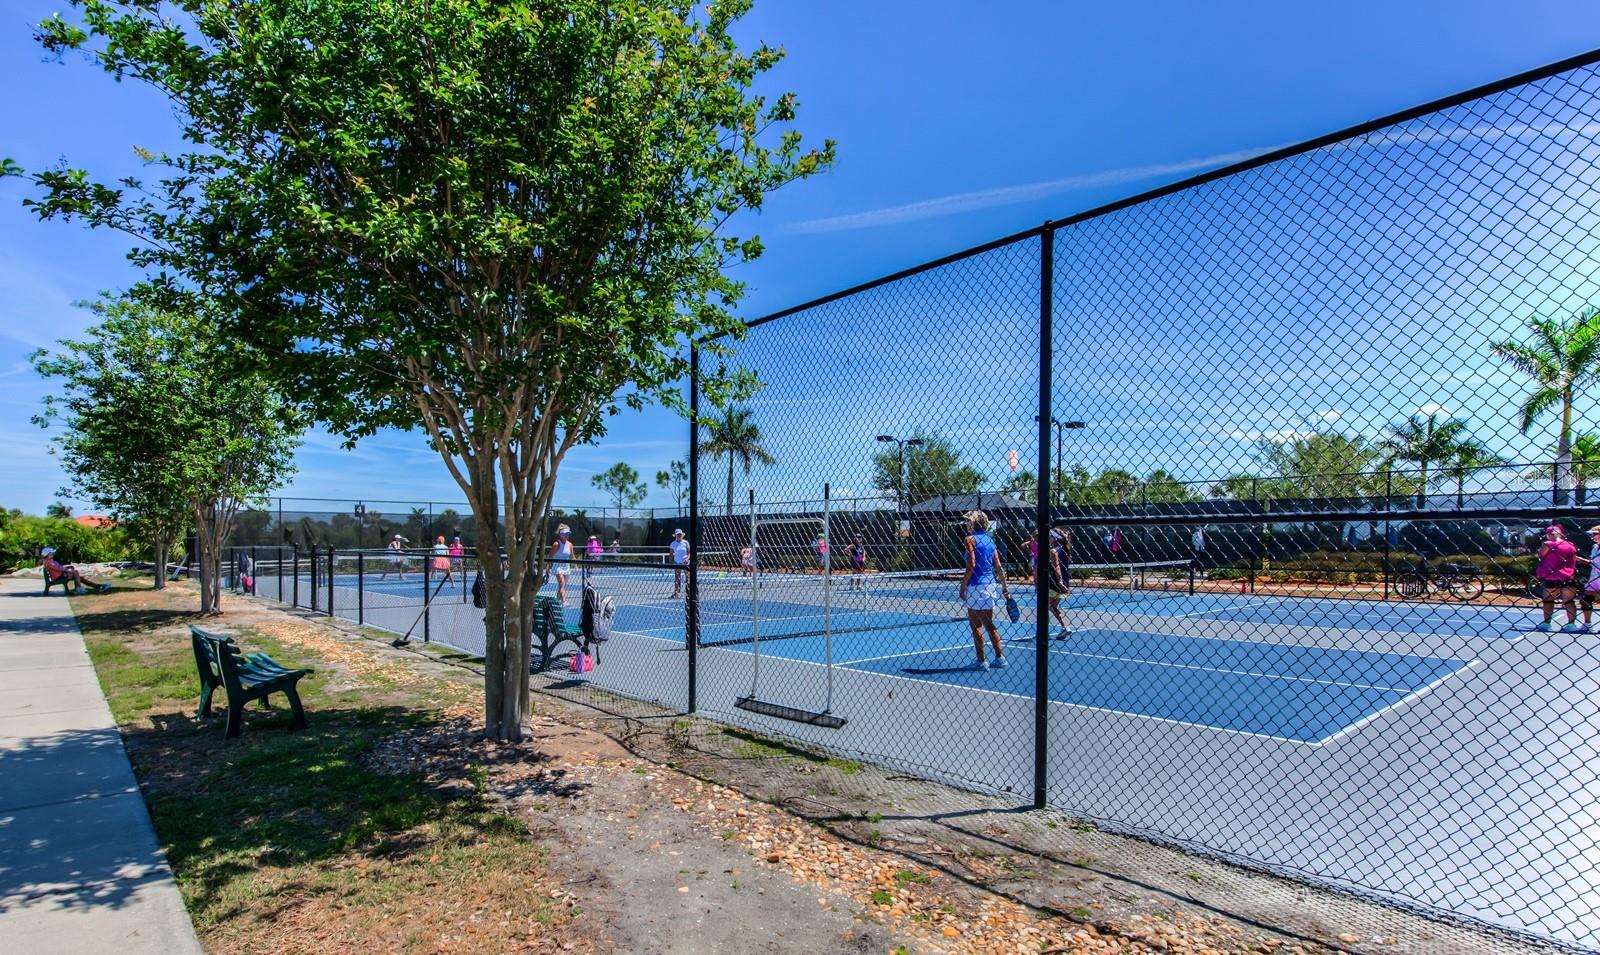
902 493
1055 462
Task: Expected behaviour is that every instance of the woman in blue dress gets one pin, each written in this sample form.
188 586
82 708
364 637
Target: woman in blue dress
982 588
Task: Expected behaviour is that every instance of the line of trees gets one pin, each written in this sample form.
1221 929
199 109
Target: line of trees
163 428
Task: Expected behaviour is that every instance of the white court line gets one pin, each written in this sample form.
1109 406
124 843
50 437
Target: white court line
905 653
1403 701
1250 673
1262 643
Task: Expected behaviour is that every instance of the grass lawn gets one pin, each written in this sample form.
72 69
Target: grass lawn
327 839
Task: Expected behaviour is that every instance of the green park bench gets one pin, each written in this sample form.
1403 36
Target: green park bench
244 677
62 581
551 629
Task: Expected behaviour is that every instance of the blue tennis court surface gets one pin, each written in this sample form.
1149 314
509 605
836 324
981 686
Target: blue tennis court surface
1302 693
1271 686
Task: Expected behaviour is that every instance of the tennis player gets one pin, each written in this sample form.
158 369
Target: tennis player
679 546
396 558
856 553
1058 582
1558 565
458 557
441 559
982 587
561 559
1591 587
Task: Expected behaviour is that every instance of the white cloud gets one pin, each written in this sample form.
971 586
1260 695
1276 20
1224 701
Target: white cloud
1282 434
1010 195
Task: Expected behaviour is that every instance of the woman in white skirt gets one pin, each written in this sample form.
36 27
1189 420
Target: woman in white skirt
982 588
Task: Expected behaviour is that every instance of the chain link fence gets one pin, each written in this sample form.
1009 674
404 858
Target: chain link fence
1285 443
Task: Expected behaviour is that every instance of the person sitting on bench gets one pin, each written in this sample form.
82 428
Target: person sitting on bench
67 572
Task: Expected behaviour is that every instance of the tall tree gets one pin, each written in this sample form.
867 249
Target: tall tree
1562 359
1466 458
675 481
1585 466
1422 439
735 437
931 468
1022 485
56 508
1327 465
494 221
621 484
163 428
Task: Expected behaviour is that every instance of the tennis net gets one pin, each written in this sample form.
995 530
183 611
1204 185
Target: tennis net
1109 583
736 609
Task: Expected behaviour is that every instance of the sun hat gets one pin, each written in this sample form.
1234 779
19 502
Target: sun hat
1555 527
678 532
47 552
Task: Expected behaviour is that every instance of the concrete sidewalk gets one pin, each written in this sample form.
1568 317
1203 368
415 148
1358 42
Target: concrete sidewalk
80 868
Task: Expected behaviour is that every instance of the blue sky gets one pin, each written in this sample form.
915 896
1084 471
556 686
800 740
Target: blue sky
953 129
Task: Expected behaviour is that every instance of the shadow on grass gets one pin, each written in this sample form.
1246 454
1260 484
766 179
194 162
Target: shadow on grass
310 809
129 620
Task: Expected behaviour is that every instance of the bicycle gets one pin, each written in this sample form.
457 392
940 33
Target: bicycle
1462 583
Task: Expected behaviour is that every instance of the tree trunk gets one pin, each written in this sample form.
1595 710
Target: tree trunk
1562 491
160 547
511 587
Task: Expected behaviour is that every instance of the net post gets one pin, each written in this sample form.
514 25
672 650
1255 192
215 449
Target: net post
827 591
1041 629
361 587
755 606
1388 492
691 614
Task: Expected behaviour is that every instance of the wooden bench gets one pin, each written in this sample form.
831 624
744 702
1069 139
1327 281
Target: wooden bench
551 629
244 677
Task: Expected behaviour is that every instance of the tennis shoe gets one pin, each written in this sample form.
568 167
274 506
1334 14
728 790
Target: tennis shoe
1545 627
1575 628
1064 634
999 664
979 665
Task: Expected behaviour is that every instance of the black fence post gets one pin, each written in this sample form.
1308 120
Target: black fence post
1041 593
427 604
332 559
1388 491
361 587
691 603
294 599
255 569
314 579
1255 556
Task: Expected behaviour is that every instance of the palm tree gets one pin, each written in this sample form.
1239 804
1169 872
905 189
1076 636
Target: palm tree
1468 457
1562 359
735 437
1422 439
1585 465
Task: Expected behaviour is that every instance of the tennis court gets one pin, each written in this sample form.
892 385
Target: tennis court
1150 657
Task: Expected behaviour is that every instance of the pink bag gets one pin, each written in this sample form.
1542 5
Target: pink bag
581 663
248 582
